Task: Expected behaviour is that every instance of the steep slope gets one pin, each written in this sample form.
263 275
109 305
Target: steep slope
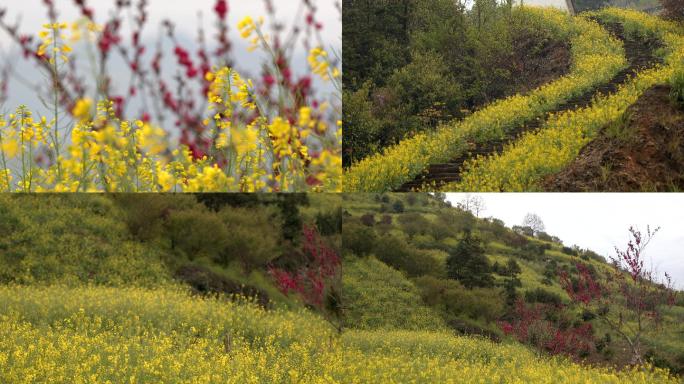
416 234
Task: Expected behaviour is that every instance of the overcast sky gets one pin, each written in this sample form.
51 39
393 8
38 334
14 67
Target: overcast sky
600 221
32 15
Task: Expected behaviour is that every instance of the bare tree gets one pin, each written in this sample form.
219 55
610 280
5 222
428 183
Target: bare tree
473 204
535 222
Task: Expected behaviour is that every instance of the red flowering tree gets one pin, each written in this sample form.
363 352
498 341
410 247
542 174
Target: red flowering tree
531 324
171 97
314 278
630 298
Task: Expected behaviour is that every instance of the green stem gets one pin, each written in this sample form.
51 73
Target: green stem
55 104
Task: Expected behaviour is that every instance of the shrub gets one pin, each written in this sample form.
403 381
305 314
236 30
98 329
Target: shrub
532 251
397 253
455 301
253 236
512 267
414 223
329 223
425 242
541 295
358 238
361 128
198 234
386 220
145 213
569 251
368 219
398 206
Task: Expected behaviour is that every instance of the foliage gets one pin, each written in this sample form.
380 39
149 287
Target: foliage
150 335
398 206
358 239
677 87
524 164
165 335
597 57
253 236
468 263
418 63
638 289
532 326
413 223
145 213
188 232
543 296
396 252
361 126
317 278
455 301
329 223
526 270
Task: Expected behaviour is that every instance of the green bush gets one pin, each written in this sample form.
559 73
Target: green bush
357 238
361 128
329 223
397 253
398 206
455 301
198 233
378 296
145 213
414 223
541 295
569 251
253 236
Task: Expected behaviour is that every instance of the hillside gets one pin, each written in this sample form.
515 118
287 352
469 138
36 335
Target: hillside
167 288
577 131
138 335
396 248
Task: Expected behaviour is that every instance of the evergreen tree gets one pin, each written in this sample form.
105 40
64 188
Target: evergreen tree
468 263
513 268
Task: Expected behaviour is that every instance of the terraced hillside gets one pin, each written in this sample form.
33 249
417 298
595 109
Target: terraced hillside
640 53
617 55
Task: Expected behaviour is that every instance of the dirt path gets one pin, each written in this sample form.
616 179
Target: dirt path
640 55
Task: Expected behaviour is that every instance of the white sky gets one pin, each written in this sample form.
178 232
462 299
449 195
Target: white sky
183 12
600 221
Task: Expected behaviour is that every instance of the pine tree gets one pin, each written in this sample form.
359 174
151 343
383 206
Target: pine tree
468 263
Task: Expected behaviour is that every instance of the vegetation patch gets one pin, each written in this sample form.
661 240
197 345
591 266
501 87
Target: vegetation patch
596 59
524 164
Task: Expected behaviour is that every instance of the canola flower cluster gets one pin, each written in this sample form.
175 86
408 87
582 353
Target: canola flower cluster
524 164
101 152
134 335
596 58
